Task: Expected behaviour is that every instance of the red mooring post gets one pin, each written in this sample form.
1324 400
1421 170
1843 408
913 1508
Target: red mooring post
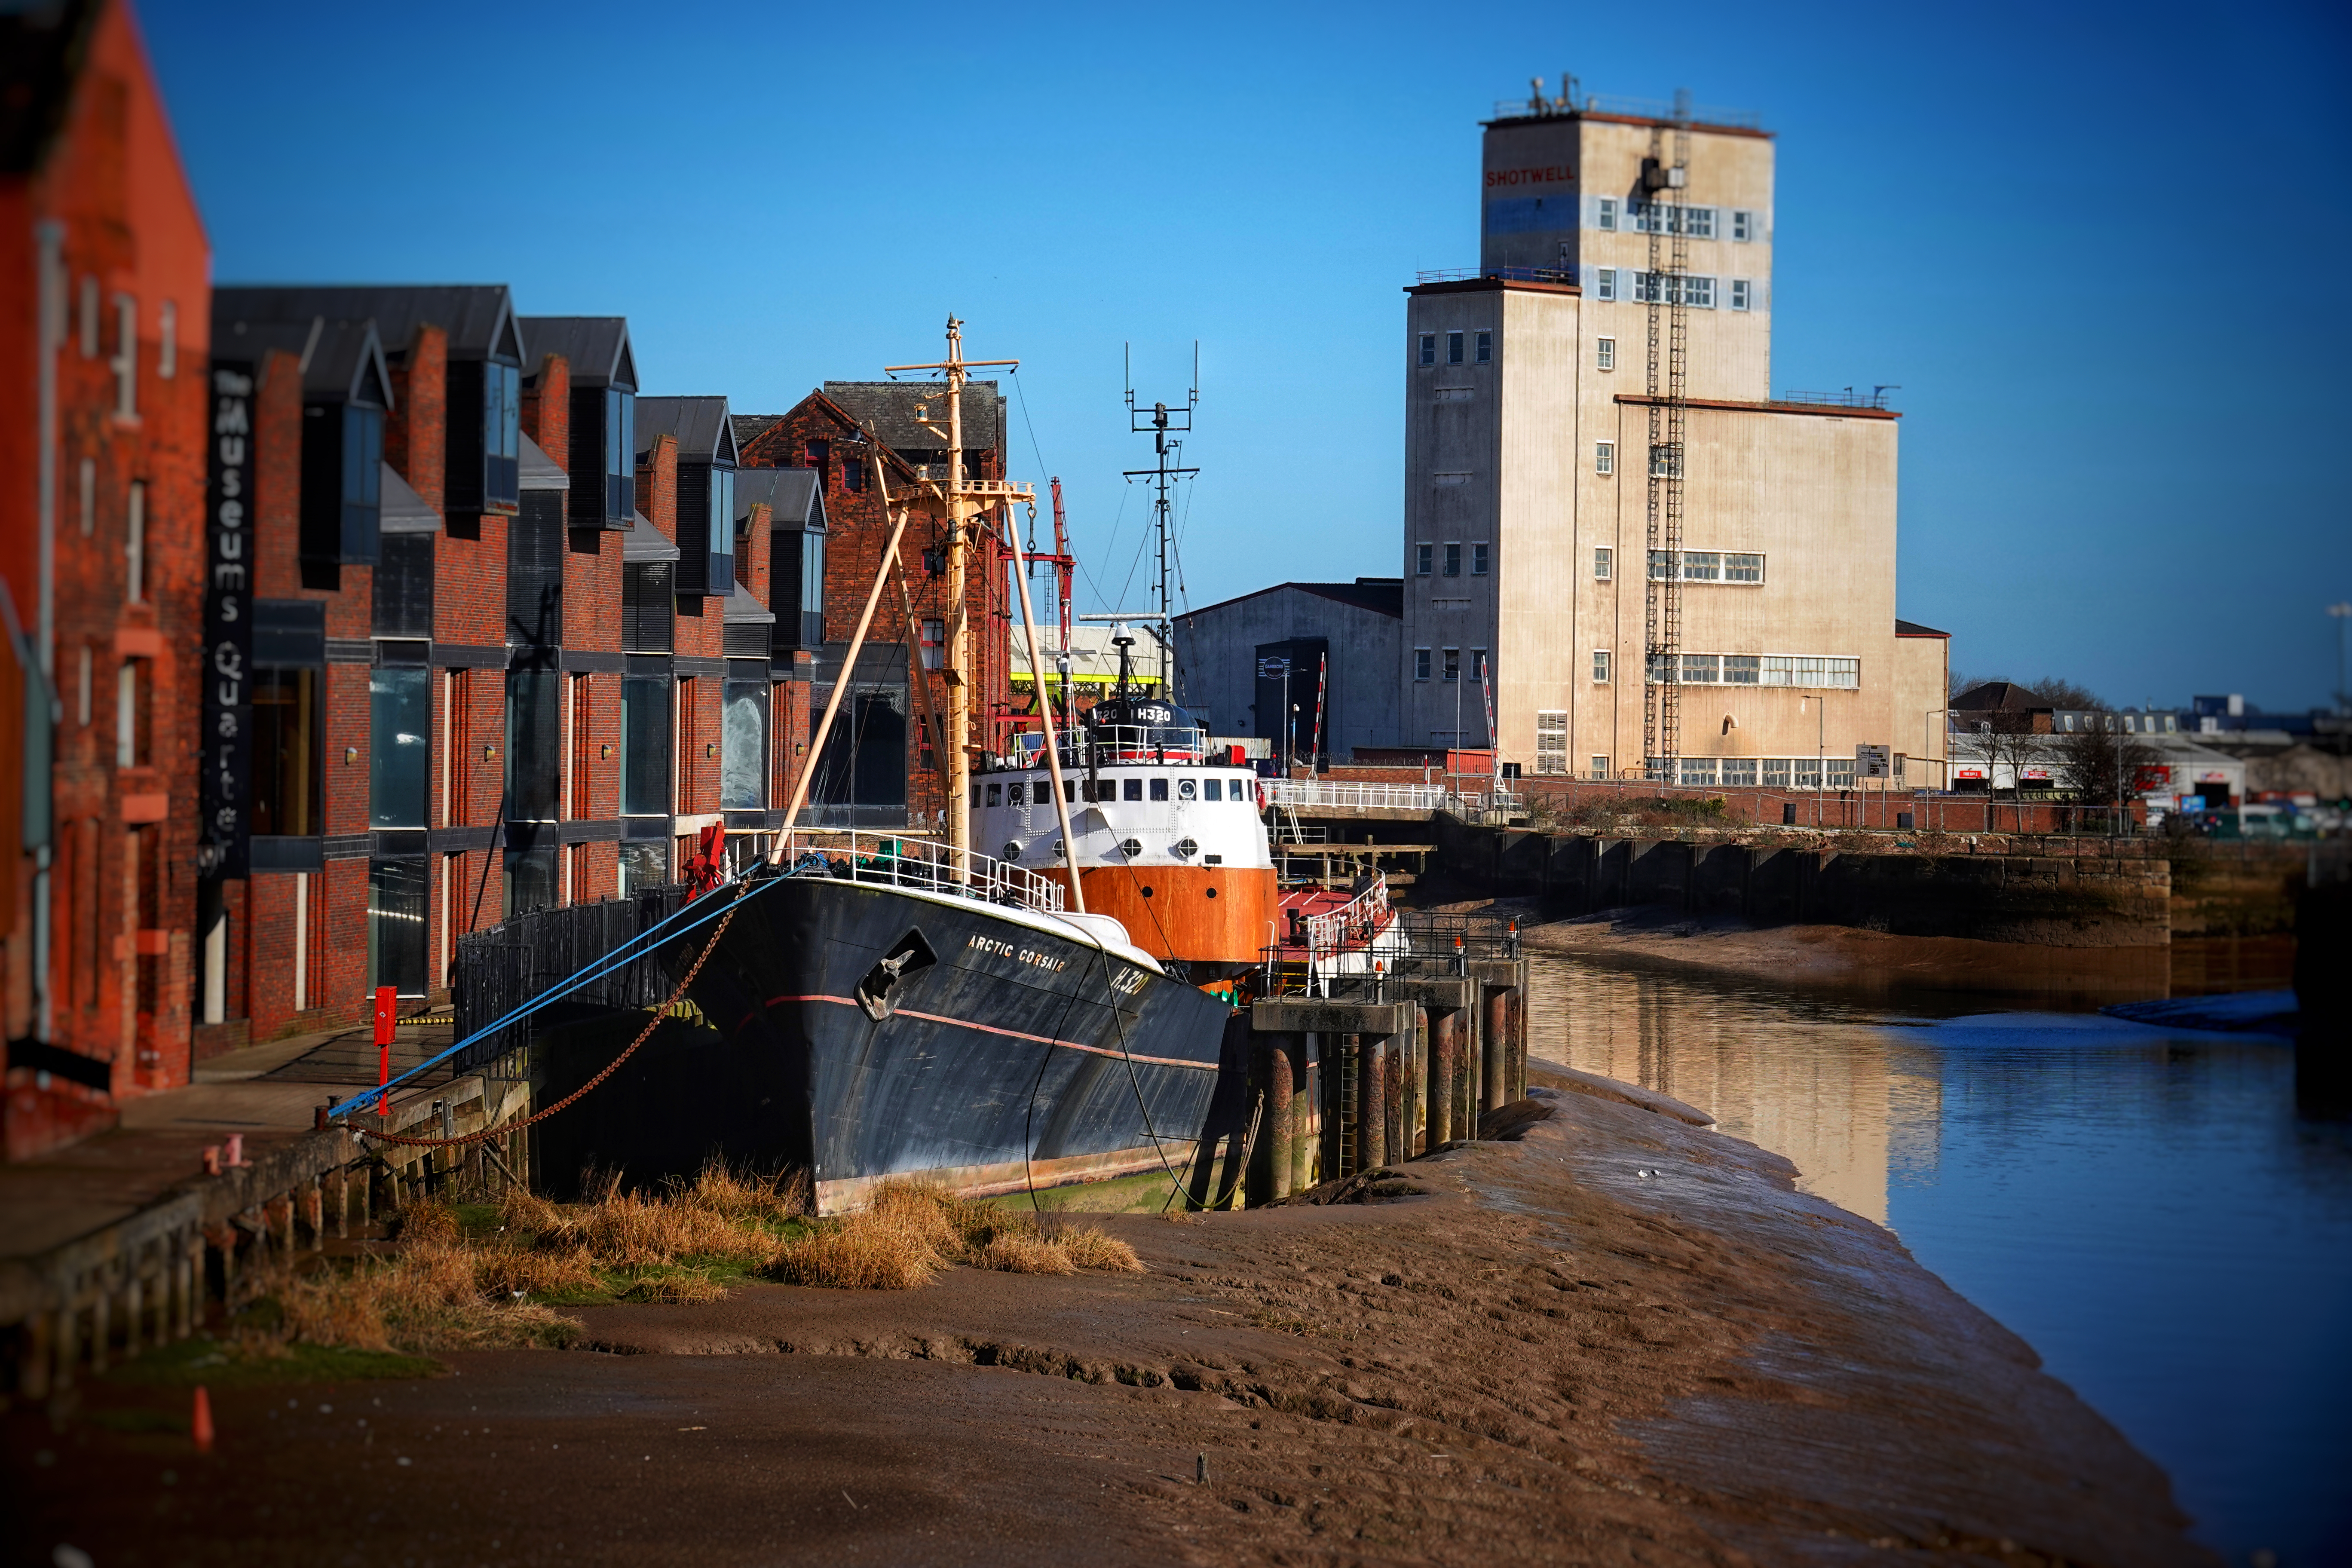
200 1427
386 1005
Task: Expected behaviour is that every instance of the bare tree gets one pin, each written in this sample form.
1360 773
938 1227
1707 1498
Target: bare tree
2066 694
2101 761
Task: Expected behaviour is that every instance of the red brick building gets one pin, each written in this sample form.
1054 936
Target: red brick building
104 321
881 767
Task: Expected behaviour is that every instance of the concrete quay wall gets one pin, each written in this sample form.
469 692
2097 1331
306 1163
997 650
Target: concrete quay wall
2047 899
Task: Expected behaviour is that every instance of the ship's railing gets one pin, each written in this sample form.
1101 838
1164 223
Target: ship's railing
898 860
1342 794
1354 923
1107 745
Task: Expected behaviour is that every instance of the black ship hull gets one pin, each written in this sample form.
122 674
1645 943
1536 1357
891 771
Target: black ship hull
901 1032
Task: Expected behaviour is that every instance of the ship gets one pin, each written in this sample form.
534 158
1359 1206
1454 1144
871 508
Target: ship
927 1008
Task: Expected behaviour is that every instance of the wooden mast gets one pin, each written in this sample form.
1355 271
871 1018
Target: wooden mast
961 501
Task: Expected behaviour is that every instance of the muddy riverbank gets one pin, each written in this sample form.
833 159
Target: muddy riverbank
1618 1337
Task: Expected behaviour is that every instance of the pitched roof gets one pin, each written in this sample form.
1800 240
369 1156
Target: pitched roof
404 511
479 317
700 425
741 606
341 359
596 347
793 497
1904 628
540 471
903 412
749 427
2002 697
641 541
1381 595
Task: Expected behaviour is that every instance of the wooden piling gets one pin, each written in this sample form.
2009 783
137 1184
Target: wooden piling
1280 1126
314 1212
1442 1066
1372 1102
1493 1080
1302 1116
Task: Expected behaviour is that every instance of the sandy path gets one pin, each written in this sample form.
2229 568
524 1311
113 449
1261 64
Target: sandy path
1546 1356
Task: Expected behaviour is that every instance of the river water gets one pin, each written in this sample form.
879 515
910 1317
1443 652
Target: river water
2144 1207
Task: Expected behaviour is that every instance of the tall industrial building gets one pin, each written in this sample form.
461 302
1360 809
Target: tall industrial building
1616 537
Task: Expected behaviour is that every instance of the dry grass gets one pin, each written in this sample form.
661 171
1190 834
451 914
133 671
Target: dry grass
1090 1249
1018 1253
911 1229
868 1251
446 1289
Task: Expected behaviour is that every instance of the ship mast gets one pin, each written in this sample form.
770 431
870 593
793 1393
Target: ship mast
1162 421
962 503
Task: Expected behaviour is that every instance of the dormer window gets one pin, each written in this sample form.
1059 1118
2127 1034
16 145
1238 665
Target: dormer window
722 527
501 437
620 457
342 482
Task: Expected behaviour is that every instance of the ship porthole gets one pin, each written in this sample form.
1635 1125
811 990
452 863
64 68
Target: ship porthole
1213 892
1146 892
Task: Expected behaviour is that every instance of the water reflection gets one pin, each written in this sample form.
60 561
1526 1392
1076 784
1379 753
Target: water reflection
1826 1085
2145 1207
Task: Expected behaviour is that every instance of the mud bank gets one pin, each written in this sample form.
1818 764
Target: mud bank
1618 1337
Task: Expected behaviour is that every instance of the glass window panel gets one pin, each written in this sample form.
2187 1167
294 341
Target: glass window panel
1453 560
1423 556
1485 347
530 876
1776 772
1700 669
1601 665
1702 565
645 704
1160 789
1699 771
1479 561
1212 789
1603 563
1429 348
1743 568
1739 772
1741 669
395 939
1454 348
400 723
534 744
286 752
743 769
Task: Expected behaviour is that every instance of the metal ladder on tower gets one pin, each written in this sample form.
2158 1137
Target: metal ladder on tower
1667 311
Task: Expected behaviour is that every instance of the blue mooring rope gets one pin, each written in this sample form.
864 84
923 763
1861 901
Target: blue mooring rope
610 961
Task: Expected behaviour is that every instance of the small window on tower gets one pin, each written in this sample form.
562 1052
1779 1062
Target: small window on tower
1607 217
1423 556
1605 458
1604 283
1453 560
1604 565
1605 353
1429 348
1454 664
1740 293
1454 348
1485 348
935 643
1743 226
1421 664
1478 561
1601 667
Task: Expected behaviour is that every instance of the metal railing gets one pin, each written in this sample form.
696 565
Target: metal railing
524 957
899 861
1345 794
1846 398
1633 108
1507 274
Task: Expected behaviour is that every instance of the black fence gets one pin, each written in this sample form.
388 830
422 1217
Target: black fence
521 960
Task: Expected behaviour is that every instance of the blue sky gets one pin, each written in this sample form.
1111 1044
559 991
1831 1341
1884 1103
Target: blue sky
2097 248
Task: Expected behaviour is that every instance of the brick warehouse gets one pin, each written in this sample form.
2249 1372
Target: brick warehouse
101 524
479 684
883 769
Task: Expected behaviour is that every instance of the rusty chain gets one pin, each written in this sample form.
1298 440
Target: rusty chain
503 1128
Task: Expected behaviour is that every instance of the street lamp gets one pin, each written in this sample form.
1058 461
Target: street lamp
2342 613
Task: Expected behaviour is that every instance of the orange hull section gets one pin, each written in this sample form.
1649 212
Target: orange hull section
1212 914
